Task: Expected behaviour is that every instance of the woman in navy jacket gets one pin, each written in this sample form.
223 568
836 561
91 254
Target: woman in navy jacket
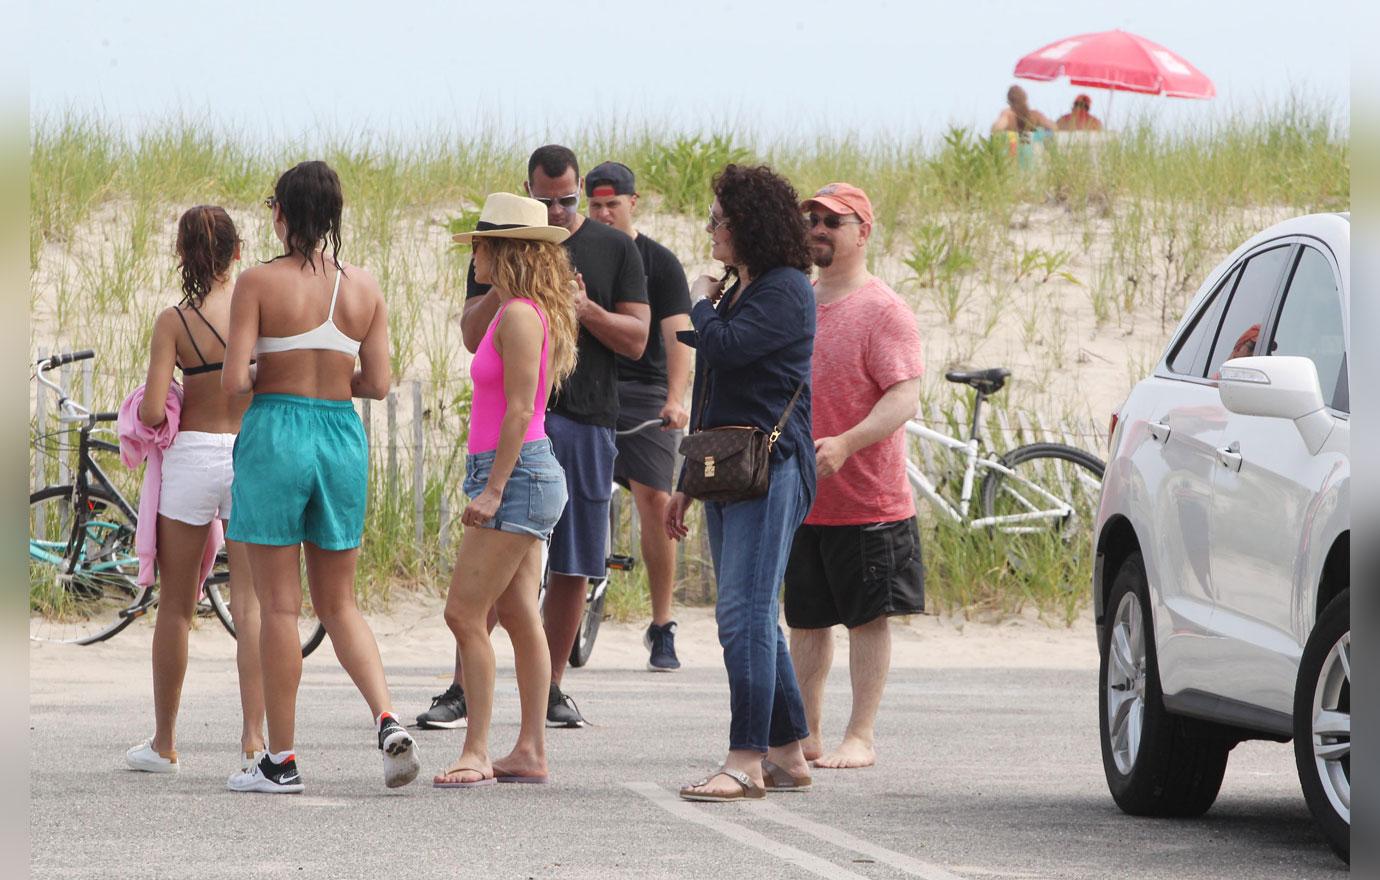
753 345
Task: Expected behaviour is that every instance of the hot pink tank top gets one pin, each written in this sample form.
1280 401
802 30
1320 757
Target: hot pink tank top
490 404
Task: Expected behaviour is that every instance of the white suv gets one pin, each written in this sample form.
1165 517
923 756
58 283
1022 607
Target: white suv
1221 581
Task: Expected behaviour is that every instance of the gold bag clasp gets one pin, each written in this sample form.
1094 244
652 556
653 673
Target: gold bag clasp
709 465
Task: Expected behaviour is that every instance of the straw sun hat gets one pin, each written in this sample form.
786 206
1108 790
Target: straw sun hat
511 216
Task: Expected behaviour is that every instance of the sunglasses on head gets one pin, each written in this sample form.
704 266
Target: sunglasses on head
830 221
569 201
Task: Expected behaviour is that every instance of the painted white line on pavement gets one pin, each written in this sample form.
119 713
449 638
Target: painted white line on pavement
736 831
829 834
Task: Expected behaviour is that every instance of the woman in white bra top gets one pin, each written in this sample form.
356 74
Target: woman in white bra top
301 482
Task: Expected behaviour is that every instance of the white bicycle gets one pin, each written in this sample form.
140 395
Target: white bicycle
1035 488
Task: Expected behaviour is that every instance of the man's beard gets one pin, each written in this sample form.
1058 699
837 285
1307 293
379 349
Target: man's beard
822 253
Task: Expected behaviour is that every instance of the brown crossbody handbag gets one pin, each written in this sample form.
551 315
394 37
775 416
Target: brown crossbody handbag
729 463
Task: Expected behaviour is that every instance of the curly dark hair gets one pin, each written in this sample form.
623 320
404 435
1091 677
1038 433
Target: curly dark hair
762 210
206 242
311 199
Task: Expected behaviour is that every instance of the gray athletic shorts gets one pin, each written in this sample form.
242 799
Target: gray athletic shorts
647 457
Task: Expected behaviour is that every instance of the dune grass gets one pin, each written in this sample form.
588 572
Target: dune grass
103 203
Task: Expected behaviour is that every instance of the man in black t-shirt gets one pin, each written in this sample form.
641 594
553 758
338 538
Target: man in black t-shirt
611 305
650 387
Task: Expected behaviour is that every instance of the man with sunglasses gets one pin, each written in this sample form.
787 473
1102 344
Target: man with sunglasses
650 387
611 305
856 559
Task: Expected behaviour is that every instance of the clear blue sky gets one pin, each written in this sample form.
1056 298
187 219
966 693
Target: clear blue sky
543 68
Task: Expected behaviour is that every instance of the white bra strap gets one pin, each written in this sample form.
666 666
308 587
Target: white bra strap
334 292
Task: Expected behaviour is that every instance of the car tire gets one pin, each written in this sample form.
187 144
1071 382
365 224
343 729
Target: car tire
1322 723
1156 763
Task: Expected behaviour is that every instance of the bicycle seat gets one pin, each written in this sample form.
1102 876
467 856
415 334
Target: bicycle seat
985 381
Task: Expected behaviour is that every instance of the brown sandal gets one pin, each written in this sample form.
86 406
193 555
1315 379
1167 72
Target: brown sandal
748 790
778 778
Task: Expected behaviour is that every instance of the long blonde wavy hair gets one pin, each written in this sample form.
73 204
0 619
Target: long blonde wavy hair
541 271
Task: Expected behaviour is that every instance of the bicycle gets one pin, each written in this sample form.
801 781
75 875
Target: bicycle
83 567
597 594
1037 488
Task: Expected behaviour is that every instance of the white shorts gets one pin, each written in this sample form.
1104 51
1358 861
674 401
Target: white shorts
198 469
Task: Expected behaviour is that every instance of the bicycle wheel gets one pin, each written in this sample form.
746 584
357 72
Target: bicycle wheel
82 567
310 630
589 624
1052 489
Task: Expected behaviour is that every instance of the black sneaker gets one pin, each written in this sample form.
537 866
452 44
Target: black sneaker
269 777
400 761
561 711
661 641
447 710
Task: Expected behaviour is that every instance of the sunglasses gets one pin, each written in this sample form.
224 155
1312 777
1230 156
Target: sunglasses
716 222
830 221
270 202
569 201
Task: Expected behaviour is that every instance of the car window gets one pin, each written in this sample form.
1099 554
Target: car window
1249 306
1310 323
1190 357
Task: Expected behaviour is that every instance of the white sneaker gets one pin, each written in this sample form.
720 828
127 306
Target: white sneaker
143 757
268 777
400 761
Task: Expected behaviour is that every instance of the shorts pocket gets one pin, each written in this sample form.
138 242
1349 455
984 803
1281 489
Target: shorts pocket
885 548
546 499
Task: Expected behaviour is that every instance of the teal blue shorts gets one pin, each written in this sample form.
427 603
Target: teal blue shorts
301 473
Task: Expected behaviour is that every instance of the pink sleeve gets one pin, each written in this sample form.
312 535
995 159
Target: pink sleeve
893 346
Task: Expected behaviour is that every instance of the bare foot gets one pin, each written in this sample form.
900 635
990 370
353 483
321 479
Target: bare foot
467 768
812 746
851 753
520 762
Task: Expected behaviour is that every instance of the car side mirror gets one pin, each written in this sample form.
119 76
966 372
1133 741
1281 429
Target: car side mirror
1282 387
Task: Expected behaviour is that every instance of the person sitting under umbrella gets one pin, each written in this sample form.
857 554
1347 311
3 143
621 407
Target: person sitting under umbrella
1079 119
1017 117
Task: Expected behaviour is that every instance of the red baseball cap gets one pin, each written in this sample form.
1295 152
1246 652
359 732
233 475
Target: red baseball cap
842 198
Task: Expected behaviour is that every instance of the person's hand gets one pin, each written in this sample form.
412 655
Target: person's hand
483 508
830 454
581 298
675 516
676 416
708 287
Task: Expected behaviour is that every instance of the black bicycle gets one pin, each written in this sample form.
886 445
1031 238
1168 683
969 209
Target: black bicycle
597 594
83 567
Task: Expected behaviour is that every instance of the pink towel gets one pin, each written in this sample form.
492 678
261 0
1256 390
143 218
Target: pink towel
139 443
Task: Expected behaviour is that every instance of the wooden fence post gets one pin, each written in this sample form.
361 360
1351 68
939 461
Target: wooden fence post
418 483
392 446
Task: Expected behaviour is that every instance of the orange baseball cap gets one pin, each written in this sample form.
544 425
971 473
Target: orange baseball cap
842 198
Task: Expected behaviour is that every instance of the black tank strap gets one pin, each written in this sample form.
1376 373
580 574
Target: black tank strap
190 337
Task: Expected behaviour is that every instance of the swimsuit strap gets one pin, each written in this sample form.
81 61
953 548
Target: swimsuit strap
191 338
330 316
211 327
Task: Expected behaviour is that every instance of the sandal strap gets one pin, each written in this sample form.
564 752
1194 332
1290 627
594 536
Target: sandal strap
737 776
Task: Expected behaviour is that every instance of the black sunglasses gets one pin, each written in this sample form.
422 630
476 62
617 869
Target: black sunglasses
830 221
270 202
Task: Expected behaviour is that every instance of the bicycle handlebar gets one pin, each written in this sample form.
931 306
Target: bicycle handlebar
59 360
650 423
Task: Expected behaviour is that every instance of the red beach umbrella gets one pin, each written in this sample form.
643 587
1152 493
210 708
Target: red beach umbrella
1117 60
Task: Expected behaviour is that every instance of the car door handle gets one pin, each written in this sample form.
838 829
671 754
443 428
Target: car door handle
1230 456
1159 430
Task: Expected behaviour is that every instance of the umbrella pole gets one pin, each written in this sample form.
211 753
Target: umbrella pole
1111 93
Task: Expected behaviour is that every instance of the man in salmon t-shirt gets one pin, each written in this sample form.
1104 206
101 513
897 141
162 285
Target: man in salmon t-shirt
856 560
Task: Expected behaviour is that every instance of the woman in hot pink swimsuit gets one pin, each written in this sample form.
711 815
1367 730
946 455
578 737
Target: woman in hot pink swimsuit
515 485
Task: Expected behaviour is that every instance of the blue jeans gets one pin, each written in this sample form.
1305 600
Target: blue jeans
764 698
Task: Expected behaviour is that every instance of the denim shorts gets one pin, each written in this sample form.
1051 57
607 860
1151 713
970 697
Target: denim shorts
534 496
301 473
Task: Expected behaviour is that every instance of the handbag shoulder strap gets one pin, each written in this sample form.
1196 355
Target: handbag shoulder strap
785 416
